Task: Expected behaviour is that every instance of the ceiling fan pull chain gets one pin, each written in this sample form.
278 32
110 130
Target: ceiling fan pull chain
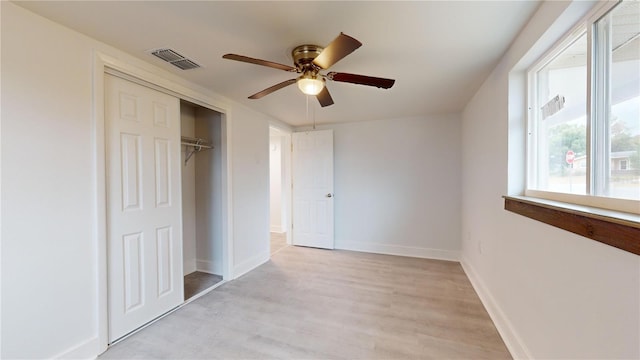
307 115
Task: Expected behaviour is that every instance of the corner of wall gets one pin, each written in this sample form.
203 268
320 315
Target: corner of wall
88 349
209 266
514 343
250 264
398 250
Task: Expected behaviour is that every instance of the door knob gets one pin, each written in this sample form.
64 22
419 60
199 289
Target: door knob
329 195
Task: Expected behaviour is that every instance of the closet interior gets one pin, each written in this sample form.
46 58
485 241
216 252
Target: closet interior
201 162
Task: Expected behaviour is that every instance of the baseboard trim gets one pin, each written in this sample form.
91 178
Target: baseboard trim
514 343
88 349
276 229
410 251
210 267
250 264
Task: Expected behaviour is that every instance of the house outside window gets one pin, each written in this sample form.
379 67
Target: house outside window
584 111
623 164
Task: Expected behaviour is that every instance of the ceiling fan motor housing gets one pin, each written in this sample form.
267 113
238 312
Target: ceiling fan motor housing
303 56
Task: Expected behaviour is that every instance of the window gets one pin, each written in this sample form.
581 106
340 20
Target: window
584 113
561 126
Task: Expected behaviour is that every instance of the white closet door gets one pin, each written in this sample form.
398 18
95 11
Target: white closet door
313 189
144 204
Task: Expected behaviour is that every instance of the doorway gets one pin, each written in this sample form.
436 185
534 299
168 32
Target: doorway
201 163
280 189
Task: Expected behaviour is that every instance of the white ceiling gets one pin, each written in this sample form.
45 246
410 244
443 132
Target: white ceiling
439 52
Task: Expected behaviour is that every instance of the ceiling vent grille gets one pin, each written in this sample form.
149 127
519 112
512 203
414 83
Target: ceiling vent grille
175 59
185 64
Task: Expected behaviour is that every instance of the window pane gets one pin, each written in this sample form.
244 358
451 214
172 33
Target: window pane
561 134
624 122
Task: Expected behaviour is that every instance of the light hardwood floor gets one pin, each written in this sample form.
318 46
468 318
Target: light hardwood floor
278 242
319 304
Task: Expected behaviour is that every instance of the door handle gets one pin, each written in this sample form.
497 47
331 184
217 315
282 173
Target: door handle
329 195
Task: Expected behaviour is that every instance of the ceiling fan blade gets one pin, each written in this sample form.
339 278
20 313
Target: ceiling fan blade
324 98
361 79
275 87
340 47
250 60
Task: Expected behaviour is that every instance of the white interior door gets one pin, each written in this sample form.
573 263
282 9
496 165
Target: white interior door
144 228
313 189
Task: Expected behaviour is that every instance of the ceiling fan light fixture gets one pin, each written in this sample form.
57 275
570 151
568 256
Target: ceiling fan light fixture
310 84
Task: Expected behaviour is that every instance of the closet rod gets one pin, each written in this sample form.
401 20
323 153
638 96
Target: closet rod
198 145
190 141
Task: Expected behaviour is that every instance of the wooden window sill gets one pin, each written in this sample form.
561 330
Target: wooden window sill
617 229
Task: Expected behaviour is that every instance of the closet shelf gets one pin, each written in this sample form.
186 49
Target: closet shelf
196 145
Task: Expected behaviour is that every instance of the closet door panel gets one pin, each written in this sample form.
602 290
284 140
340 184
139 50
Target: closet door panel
143 204
130 149
164 242
163 172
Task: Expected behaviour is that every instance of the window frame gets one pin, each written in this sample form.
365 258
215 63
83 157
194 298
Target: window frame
594 108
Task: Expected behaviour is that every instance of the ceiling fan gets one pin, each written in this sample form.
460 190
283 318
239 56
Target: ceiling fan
308 61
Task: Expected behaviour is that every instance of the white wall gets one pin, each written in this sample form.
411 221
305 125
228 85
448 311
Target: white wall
187 128
553 294
48 247
397 186
250 189
50 232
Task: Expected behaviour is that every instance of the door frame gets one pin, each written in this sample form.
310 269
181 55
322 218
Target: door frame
149 76
286 177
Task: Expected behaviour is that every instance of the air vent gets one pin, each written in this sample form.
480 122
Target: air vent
185 64
175 59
